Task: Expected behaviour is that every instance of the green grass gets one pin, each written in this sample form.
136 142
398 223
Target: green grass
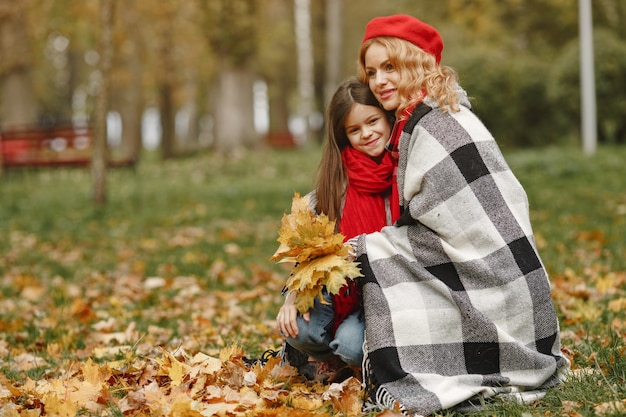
198 216
577 202
178 214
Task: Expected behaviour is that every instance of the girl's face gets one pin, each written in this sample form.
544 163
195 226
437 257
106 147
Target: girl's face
383 78
367 129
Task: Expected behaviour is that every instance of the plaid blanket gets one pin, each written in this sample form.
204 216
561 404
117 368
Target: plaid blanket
457 301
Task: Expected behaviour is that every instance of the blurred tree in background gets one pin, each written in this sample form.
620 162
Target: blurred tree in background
230 26
519 61
610 65
18 104
222 74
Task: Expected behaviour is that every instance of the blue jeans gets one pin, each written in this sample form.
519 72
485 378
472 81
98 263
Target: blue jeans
316 340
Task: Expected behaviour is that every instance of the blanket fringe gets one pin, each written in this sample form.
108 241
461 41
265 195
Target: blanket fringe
377 398
382 400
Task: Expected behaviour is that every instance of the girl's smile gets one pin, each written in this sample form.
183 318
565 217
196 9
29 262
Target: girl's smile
367 129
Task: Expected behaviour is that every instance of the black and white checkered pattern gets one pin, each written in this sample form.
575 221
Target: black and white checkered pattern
457 301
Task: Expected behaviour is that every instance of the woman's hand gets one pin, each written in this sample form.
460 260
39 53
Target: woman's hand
351 244
286 321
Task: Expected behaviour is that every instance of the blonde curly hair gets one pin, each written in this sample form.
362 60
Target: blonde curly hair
420 74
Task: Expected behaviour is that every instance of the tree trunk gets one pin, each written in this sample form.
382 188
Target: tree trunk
234 113
230 27
277 35
166 111
18 101
99 157
18 106
304 50
279 134
130 112
130 99
189 114
187 126
166 95
333 47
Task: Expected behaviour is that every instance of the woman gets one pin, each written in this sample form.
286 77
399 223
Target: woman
353 189
457 301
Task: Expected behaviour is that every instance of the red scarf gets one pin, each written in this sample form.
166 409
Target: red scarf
398 127
369 182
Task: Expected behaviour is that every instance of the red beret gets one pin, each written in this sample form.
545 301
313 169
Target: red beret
408 28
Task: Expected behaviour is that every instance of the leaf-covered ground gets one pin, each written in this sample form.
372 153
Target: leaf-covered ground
152 307
130 345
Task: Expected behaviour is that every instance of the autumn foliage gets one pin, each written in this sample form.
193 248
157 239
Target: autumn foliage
177 384
320 256
118 366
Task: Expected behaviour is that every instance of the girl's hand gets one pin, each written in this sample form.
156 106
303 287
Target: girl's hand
286 321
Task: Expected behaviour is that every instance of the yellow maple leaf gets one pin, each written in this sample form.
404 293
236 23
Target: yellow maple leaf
303 235
617 305
172 367
305 299
84 394
91 372
57 407
183 408
229 352
306 401
205 363
322 259
345 397
331 270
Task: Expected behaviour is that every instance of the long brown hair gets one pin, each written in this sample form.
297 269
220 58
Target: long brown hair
419 72
331 175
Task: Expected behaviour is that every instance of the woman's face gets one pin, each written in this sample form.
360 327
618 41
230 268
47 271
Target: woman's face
383 78
367 129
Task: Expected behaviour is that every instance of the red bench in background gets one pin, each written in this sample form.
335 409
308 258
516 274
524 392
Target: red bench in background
49 146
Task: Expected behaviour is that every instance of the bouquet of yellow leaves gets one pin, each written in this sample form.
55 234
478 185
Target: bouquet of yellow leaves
321 258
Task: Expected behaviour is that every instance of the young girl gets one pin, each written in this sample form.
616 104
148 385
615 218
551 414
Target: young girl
456 299
353 188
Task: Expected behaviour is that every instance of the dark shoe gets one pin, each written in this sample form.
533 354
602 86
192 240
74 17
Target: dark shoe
333 371
269 353
298 359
